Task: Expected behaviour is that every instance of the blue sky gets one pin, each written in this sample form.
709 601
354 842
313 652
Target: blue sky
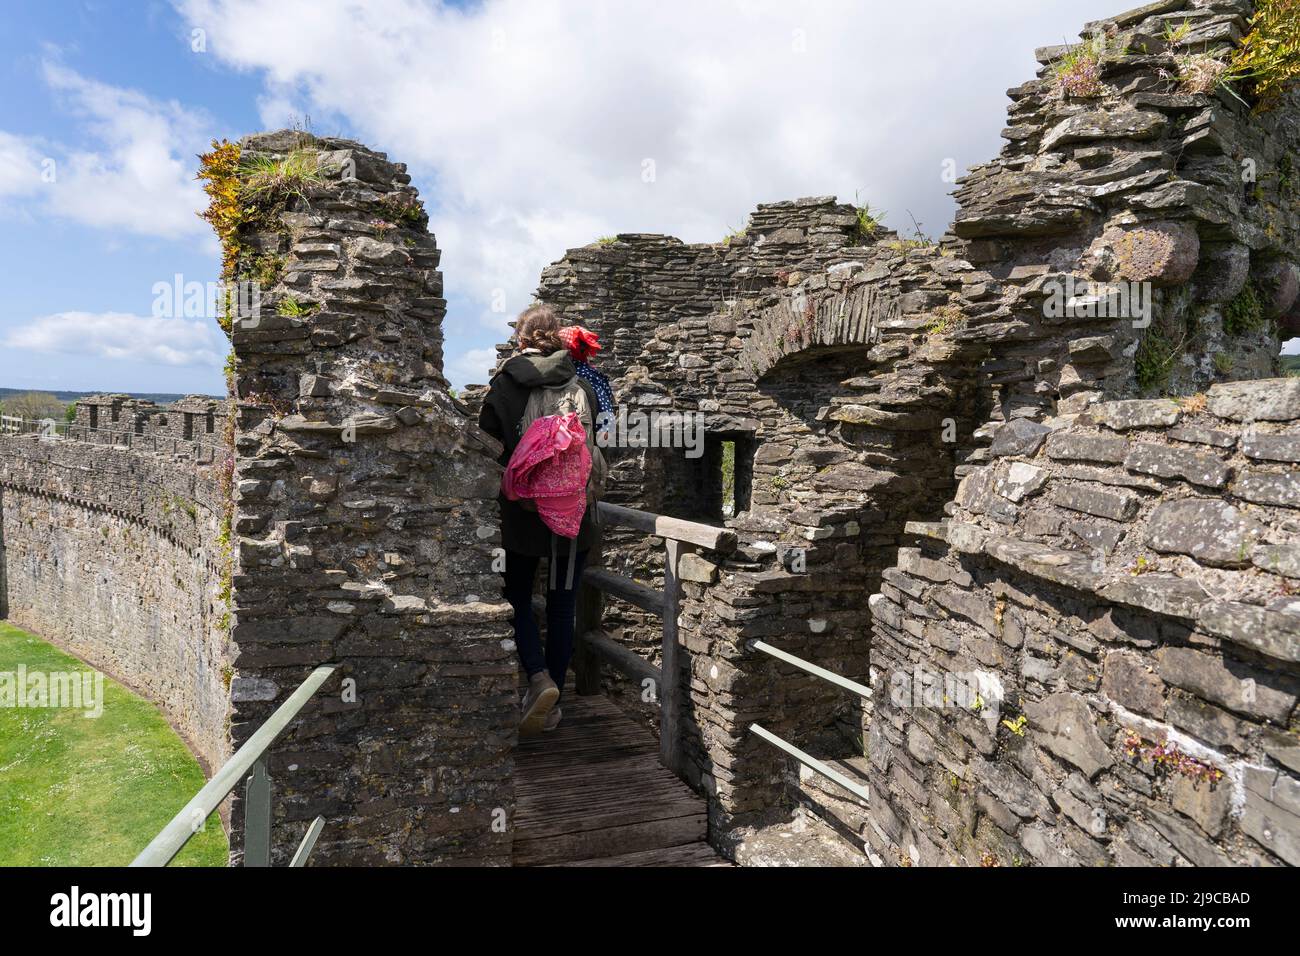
527 133
57 264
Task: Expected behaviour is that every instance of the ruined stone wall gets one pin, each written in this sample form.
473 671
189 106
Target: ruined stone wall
113 555
1114 576
1138 181
1140 700
364 520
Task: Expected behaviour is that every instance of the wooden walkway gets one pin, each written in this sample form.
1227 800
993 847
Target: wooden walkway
593 793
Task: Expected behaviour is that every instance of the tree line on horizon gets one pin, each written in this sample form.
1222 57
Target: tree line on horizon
37 406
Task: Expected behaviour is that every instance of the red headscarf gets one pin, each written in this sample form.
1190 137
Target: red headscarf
581 343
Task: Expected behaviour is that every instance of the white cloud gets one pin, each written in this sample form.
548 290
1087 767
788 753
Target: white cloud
120 336
21 164
471 366
134 172
529 122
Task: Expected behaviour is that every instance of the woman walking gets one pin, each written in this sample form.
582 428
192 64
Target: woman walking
541 370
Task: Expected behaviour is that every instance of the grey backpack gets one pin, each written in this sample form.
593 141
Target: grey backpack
570 398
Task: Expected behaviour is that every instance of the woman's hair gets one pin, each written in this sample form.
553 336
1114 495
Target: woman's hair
538 327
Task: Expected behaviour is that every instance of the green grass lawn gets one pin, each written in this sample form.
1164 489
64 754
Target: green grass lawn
78 791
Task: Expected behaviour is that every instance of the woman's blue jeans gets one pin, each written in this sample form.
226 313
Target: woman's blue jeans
561 604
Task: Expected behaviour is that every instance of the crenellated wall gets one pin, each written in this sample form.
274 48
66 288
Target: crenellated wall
192 426
113 555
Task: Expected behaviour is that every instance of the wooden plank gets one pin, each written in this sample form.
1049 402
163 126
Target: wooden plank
670 704
689 854
594 788
561 793
652 800
672 529
602 647
610 841
625 589
610 762
617 811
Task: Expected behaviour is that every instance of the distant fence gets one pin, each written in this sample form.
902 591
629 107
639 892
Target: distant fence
48 429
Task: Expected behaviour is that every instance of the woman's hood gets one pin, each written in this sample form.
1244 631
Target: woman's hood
531 371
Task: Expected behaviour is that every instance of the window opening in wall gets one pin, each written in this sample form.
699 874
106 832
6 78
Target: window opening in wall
113 413
728 464
711 487
187 428
728 479
209 425
94 416
139 424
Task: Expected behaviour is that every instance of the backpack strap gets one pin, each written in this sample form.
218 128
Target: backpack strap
573 563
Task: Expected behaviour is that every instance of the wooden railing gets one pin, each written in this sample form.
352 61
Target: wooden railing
595 647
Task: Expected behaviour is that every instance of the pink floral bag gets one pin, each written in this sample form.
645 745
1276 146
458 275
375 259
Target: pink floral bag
550 467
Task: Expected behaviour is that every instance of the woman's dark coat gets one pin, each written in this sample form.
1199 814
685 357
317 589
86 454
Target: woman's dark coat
522 530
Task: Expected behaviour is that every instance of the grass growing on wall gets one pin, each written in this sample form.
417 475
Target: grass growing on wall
1245 313
78 791
1155 358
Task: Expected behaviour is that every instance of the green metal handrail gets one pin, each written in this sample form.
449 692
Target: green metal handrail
839 680
811 762
248 763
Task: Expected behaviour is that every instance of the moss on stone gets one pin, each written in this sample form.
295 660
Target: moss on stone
1245 313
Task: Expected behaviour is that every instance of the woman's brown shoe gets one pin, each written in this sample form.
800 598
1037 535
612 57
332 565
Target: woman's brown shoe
541 697
552 720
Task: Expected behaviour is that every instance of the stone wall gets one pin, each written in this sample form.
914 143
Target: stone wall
1142 182
113 555
1083 579
1126 581
364 521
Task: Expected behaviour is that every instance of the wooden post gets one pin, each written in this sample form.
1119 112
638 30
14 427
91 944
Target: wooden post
670 690
590 610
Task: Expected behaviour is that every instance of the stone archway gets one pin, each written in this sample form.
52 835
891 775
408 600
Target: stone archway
801 322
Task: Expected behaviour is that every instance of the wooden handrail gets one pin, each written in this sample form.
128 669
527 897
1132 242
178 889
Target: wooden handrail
620 586
674 529
624 661
596 647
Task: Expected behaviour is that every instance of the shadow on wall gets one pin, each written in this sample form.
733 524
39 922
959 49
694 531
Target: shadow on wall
4 579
